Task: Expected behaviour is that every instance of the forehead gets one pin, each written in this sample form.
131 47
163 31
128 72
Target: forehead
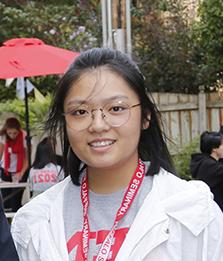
99 84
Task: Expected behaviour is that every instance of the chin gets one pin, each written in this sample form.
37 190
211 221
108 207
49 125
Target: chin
102 163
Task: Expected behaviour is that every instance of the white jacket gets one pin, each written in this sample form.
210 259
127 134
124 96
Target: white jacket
178 221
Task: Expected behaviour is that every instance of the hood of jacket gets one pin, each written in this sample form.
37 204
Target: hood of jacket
197 160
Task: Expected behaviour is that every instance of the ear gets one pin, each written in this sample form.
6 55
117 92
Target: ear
146 122
214 150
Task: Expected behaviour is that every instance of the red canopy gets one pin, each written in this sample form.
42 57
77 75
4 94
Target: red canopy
24 57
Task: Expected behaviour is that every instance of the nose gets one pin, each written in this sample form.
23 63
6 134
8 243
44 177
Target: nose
13 136
98 122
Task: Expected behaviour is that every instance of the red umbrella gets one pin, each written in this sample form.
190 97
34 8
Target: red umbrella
25 57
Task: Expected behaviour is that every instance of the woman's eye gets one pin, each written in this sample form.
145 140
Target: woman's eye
78 112
117 109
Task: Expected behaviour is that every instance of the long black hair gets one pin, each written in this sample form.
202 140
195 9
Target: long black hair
44 154
152 146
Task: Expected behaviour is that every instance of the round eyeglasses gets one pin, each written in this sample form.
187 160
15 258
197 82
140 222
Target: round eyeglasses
114 113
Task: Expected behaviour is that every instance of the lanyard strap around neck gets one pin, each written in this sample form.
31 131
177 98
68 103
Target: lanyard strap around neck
128 198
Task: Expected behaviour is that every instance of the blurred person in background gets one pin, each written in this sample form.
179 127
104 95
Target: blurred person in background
45 172
205 166
13 155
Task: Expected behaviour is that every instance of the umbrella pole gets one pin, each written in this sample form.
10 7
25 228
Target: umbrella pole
28 138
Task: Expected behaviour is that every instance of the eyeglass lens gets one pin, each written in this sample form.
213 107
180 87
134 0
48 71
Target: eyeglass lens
114 113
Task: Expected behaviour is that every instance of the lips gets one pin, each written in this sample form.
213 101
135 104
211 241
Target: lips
101 143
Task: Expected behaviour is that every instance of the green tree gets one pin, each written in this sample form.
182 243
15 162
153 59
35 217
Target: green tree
183 157
62 25
175 55
209 35
38 110
164 44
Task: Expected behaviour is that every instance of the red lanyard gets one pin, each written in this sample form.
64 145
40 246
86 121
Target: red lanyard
129 196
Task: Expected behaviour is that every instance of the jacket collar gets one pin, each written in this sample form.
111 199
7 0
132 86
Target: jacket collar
196 211
151 217
165 201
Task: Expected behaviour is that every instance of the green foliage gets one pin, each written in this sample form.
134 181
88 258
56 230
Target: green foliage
163 42
44 83
175 55
62 25
37 112
209 36
6 93
182 158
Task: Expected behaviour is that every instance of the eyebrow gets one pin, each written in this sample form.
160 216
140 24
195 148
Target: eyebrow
83 101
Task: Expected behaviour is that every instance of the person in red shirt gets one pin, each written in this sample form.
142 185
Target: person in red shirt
13 156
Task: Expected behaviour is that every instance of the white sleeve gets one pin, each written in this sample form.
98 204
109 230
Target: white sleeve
27 254
214 237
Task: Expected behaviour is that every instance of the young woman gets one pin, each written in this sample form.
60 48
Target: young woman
44 172
119 201
205 166
13 154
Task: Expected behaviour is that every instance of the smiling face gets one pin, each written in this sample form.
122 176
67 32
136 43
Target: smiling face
12 133
101 145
